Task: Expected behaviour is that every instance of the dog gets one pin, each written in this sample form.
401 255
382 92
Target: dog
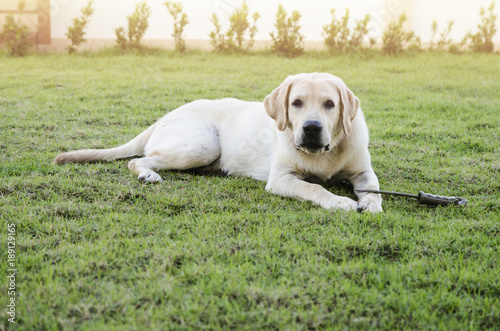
309 130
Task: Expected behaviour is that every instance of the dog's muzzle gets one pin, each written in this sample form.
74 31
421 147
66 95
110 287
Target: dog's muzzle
313 148
311 138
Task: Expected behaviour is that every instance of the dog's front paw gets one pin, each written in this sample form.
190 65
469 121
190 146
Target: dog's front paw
371 205
341 203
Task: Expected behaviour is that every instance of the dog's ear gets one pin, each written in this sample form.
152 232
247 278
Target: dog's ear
276 104
349 105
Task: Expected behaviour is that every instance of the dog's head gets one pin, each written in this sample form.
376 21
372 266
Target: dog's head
318 108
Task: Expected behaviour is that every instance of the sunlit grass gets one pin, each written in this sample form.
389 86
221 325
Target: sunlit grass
99 250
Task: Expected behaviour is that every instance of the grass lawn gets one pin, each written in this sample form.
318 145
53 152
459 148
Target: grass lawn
98 250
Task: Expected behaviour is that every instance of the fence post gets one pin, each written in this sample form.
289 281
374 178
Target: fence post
43 10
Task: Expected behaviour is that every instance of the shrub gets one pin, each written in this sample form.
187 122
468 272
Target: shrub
121 40
440 40
482 41
338 36
234 38
16 35
238 26
252 30
137 26
218 39
337 32
287 39
180 21
395 38
76 31
360 33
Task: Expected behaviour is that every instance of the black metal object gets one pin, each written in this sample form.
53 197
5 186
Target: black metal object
425 198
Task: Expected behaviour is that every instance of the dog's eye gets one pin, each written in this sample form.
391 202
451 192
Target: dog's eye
297 103
329 104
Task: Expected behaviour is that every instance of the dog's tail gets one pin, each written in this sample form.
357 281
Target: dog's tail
132 148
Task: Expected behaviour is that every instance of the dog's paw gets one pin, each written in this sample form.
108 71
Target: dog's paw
341 203
150 177
369 205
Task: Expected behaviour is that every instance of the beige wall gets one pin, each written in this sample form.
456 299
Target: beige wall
35 15
12 4
29 19
110 14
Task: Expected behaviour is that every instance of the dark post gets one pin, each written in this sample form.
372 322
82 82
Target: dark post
44 22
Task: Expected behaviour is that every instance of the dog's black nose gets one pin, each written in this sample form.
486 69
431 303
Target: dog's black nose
312 128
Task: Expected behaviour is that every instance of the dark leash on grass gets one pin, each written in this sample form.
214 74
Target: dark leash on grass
425 198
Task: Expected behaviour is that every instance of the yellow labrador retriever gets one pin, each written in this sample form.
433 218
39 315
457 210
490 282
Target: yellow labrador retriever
309 128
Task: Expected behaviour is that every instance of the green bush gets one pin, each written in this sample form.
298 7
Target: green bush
238 26
234 38
137 26
482 41
337 32
121 40
338 35
395 39
440 40
180 21
76 31
15 35
287 38
360 33
217 37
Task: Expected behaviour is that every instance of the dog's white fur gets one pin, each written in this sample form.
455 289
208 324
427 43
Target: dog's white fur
268 141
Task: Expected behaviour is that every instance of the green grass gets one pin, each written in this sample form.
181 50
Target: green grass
98 250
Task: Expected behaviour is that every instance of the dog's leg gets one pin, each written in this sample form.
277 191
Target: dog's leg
367 180
181 148
283 182
145 167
